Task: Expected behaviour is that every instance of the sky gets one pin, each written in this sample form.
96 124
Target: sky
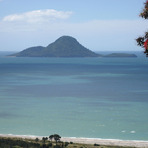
99 25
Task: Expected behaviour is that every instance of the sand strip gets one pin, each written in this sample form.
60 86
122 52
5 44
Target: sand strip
109 142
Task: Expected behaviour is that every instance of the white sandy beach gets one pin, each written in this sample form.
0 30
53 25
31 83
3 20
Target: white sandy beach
109 142
112 142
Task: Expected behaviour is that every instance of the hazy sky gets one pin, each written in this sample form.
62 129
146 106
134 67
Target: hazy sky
100 25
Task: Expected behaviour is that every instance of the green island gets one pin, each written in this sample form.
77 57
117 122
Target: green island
65 46
53 141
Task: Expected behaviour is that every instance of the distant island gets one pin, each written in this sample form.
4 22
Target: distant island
112 55
65 46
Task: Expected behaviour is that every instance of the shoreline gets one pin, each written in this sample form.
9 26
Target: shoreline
107 142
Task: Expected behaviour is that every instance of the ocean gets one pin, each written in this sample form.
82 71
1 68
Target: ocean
74 97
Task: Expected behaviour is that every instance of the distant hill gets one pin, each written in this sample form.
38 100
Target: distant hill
30 52
65 46
120 55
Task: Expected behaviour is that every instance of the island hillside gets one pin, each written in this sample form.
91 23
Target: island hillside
65 46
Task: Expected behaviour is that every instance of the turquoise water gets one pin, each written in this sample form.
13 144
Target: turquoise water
74 97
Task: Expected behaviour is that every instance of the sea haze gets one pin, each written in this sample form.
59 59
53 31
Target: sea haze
75 97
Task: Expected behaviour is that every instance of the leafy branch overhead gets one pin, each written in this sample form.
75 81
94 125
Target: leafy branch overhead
144 14
143 40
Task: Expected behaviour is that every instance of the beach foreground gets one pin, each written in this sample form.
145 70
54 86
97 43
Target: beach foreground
108 142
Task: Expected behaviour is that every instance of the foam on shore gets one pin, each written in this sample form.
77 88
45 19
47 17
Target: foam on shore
109 142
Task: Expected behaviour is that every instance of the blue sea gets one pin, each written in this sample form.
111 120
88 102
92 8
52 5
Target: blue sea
75 97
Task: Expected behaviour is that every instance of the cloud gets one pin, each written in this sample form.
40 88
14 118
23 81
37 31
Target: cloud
38 16
94 34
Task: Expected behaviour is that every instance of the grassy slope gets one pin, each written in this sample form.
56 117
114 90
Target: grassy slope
23 143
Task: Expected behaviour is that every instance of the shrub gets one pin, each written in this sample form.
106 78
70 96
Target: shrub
96 144
66 144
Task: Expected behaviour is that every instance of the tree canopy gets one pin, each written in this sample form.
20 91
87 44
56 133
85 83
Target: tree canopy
143 40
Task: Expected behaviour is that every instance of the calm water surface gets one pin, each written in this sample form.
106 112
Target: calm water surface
75 97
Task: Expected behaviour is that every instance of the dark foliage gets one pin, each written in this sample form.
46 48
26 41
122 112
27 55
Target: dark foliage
51 137
144 14
96 144
44 146
8 143
44 139
66 144
140 41
37 139
143 41
50 145
57 146
56 138
29 143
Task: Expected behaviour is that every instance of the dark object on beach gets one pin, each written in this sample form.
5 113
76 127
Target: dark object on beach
96 144
143 41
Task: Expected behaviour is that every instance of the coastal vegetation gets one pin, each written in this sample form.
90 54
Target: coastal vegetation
52 142
143 40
